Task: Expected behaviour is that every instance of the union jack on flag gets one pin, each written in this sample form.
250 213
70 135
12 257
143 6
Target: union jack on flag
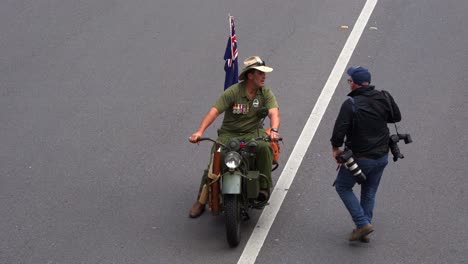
230 56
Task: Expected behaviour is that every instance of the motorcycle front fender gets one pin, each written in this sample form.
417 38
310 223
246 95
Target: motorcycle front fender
232 183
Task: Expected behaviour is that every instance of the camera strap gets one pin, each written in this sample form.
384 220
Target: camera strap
354 108
387 95
353 103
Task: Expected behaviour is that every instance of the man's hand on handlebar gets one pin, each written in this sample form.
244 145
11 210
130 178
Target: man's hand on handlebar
275 136
195 137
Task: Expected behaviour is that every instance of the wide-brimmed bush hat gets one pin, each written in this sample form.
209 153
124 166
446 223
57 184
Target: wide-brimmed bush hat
254 62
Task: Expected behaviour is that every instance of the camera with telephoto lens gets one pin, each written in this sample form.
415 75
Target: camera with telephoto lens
347 159
393 144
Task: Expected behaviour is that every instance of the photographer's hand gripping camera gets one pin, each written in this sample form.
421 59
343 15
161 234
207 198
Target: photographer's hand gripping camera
346 158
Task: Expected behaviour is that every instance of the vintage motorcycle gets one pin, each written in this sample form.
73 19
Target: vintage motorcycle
234 184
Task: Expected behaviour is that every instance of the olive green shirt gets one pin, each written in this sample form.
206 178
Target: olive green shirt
240 113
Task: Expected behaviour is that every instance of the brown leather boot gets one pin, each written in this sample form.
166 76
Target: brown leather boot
358 233
197 209
365 239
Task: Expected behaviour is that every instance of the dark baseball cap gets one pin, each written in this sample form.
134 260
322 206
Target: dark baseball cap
359 74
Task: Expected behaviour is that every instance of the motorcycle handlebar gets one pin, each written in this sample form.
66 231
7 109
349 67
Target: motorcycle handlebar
266 139
206 139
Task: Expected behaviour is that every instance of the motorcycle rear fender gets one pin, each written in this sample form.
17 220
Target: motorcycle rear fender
232 183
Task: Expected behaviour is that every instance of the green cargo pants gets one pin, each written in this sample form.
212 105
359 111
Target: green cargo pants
264 154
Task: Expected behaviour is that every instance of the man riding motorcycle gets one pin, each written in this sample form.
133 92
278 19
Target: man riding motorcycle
240 102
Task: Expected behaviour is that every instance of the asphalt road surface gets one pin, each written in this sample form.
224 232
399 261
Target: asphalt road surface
98 98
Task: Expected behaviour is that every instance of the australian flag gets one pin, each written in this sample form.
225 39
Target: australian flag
230 57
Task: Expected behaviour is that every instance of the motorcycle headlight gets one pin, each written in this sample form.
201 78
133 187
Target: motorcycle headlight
232 160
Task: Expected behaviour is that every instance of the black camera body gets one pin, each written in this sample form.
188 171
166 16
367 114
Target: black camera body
393 144
346 158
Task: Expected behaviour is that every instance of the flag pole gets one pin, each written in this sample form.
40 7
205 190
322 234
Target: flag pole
229 21
230 31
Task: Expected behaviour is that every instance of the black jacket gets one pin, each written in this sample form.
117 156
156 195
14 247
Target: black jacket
364 122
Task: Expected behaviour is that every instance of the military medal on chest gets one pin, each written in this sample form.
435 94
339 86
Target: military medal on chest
245 109
236 109
240 109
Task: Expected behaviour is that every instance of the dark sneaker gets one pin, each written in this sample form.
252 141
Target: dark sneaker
363 231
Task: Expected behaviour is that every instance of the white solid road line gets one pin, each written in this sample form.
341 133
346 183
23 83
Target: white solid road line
259 234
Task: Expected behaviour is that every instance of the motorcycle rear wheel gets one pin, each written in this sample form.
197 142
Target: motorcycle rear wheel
232 215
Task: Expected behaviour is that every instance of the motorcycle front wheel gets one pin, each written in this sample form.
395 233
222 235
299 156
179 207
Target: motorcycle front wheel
232 215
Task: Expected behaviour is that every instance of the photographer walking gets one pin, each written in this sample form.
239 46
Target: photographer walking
362 126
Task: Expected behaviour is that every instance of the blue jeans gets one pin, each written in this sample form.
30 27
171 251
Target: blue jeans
361 212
